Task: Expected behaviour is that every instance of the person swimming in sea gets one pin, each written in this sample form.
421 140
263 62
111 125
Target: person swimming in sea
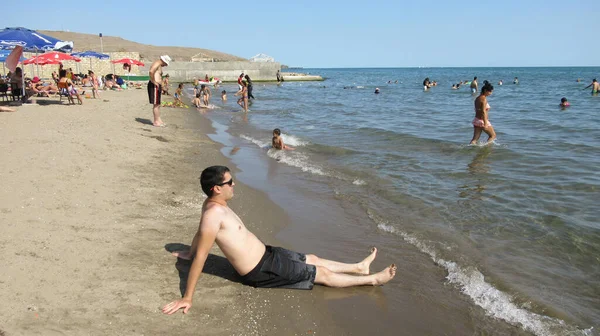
564 103
481 123
376 90
277 141
595 87
426 84
516 80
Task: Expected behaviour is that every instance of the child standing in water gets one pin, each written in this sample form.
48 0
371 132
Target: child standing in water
277 141
224 95
205 93
481 123
178 94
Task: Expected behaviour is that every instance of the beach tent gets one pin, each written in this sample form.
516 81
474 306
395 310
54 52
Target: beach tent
91 54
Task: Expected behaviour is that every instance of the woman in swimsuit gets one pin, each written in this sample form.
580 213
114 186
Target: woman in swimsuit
243 101
481 123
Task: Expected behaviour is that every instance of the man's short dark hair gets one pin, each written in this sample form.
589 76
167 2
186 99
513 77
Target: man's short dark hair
212 176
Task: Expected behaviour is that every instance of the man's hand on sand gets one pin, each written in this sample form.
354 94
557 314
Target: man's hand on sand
176 305
186 255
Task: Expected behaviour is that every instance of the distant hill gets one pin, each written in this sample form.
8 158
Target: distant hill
83 42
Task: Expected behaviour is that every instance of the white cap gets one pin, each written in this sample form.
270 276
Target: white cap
166 59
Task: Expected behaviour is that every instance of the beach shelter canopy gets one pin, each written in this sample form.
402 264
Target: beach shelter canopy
129 61
91 54
31 40
54 57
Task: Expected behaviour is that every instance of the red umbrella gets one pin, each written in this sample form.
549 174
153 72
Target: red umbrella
51 58
129 61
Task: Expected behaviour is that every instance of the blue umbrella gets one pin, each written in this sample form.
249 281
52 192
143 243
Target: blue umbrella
91 54
30 40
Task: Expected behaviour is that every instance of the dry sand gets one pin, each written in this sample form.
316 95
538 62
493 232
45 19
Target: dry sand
93 196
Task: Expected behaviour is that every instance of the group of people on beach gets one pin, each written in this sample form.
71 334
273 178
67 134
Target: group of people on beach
257 264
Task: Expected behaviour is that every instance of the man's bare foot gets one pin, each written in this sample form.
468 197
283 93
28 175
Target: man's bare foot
186 255
385 276
6 109
366 264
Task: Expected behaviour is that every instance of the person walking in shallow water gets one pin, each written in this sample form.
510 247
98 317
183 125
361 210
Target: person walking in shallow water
243 101
481 123
261 265
250 87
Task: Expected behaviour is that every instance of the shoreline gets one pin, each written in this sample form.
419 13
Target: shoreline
85 236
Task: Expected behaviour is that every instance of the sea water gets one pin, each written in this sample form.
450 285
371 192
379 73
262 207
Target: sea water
514 224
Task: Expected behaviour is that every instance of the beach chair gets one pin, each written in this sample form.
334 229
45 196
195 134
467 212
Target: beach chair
16 92
4 91
63 90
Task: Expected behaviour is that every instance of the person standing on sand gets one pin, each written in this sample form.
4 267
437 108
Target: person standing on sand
481 123
474 85
155 88
260 265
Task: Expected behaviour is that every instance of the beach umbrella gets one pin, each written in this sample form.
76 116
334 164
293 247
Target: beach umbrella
130 62
31 40
54 57
91 54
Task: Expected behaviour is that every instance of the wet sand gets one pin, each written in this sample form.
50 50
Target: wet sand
93 196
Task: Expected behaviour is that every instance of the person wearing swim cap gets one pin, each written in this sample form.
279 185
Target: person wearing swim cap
376 90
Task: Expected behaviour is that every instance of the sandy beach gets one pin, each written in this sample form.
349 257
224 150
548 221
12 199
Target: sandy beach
93 198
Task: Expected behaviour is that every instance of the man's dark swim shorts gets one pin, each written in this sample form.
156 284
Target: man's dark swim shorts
283 269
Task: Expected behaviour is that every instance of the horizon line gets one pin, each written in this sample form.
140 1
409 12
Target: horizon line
429 67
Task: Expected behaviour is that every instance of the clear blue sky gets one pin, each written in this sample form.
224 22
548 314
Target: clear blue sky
369 33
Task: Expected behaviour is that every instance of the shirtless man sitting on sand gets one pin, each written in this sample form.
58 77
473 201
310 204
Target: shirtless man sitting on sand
260 265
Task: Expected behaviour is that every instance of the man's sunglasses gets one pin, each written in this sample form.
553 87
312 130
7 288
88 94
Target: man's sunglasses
230 182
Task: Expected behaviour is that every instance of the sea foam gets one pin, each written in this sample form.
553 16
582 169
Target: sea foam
495 302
